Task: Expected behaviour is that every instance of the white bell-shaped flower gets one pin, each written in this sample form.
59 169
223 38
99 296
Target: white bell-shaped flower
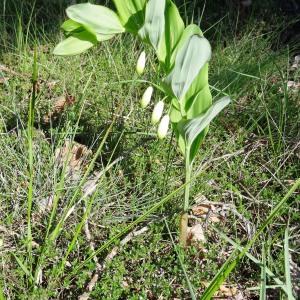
141 63
163 127
157 112
147 97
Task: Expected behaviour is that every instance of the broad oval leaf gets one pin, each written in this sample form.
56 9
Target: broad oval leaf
190 129
179 138
190 59
199 103
194 148
175 115
154 26
131 13
174 28
99 18
75 44
187 33
104 37
70 25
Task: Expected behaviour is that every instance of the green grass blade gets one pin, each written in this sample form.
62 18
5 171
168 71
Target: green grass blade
30 127
190 286
268 287
254 259
2 297
23 267
221 276
235 257
129 227
263 277
287 270
90 167
85 215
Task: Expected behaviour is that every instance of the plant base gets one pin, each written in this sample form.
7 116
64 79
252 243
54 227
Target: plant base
183 229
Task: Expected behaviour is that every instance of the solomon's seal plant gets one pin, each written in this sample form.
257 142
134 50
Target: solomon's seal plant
183 54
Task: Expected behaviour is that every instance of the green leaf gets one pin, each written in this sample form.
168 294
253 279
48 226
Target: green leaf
190 129
180 139
197 143
75 44
104 37
154 26
189 31
70 25
199 103
131 14
174 28
23 267
175 115
190 59
99 18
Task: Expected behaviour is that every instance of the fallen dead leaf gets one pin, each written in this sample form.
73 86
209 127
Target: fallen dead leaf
77 156
200 210
296 63
206 211
214 219
45 204
8 70
195 235
35 244
60 104
51 84
3 80
200 198
227 292
292 86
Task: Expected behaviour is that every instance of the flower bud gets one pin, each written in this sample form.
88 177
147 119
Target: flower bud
157 112
147 97
140 67
163 127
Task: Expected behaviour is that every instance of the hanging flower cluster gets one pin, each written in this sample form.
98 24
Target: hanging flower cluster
158 110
